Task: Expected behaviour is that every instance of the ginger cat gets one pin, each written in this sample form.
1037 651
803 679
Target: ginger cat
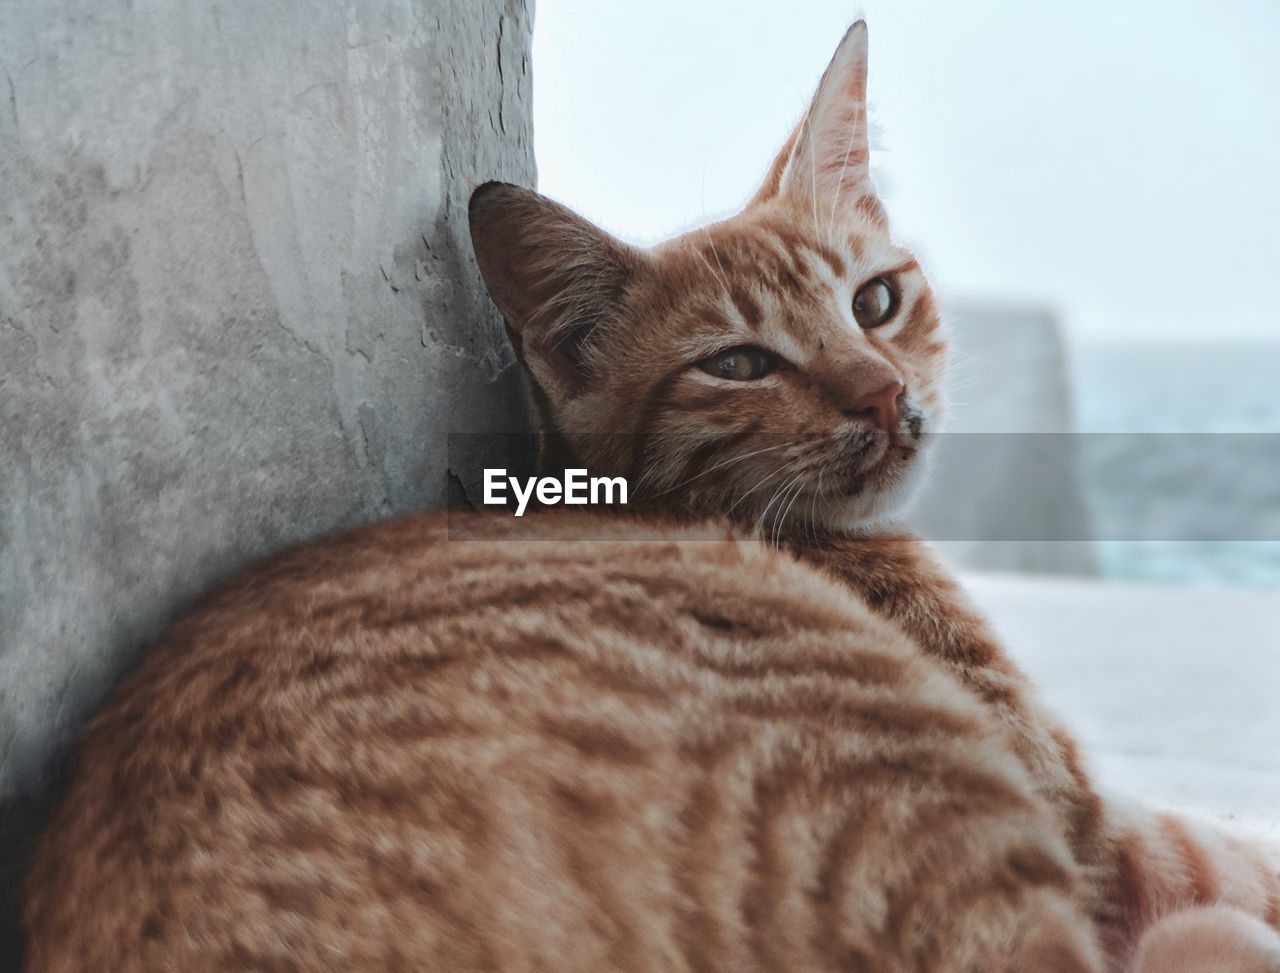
784 368
477 743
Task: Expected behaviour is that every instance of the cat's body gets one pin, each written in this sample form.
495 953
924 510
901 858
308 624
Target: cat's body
399 748
393 750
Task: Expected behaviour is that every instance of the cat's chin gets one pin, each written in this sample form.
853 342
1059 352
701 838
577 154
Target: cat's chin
879 497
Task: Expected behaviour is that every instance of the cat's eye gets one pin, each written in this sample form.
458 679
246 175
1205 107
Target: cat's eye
741 364
874 303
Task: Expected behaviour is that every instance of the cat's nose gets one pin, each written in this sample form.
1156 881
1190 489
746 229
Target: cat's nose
880 407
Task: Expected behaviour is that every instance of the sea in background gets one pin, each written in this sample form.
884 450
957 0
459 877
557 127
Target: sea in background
1180 458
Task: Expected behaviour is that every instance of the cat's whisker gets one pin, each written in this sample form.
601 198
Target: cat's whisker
655 468
795 495
964 367
781 469
770 527
716 253
652 469
722 464
641 483
674 449
761 521
813 507
719 275
813 183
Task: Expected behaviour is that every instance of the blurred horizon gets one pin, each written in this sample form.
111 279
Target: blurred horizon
1115 166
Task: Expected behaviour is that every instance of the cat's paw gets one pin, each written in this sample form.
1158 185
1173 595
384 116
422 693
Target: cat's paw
1216 939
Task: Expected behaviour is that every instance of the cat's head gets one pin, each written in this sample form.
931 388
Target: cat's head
784 366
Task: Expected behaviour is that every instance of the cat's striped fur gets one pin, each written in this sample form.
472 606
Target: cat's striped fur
396 750
797 454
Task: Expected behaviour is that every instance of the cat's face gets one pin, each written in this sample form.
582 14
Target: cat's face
783 366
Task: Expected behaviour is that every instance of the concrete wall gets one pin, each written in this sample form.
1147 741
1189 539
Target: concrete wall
237 303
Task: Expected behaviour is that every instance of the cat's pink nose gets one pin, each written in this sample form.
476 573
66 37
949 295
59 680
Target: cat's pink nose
881 406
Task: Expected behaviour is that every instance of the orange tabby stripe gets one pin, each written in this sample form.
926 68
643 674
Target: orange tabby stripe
1202 887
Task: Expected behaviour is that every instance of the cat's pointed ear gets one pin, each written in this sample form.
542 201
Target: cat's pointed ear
828 157
556 278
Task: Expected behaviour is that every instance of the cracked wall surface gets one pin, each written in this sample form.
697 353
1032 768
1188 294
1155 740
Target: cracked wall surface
237 302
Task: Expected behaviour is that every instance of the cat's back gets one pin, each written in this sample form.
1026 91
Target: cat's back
494 747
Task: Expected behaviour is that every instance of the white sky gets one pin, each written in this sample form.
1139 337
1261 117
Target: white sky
1120 163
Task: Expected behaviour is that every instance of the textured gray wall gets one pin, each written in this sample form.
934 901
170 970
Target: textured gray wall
237 303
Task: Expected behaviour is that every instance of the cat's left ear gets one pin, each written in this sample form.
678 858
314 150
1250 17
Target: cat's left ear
557 279
828 157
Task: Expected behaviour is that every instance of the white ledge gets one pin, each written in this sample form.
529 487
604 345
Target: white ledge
1174 692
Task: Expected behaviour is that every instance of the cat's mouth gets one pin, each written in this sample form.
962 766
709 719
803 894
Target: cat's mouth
875 449
877 463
